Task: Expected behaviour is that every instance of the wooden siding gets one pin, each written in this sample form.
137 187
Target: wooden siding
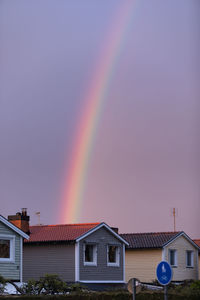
199 266
52 259
11 270
142 264
182 272
102 237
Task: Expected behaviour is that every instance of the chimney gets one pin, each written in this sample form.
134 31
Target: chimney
21 220
115 229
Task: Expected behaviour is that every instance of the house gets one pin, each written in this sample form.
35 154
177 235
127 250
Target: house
146 250
198 243
11 250
89 253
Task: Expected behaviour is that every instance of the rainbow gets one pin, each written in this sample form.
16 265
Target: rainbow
94 101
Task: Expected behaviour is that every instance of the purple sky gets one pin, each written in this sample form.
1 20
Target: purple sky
146 153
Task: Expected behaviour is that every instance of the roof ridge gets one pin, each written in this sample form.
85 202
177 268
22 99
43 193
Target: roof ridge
75 224
158 232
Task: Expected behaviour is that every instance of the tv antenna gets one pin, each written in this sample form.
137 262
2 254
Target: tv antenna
38 215
174 214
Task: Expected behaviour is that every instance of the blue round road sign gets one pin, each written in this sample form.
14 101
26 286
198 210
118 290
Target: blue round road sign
164 272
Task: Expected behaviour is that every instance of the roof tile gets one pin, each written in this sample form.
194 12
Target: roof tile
148 240
54 233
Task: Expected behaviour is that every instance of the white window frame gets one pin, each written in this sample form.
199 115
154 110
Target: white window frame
10 238
175 257
94 262
117 263
192 258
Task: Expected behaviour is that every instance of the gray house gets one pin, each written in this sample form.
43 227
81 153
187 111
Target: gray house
91 253
11 250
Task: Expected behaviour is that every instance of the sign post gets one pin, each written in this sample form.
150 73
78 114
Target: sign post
164 275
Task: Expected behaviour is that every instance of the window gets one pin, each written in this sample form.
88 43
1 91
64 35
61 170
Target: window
173 257
113 253
4 248
90 254
190 259
7 250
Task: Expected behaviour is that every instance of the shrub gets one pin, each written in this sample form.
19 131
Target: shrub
2 284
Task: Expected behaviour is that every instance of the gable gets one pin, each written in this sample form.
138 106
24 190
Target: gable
102 234
181 241
98 227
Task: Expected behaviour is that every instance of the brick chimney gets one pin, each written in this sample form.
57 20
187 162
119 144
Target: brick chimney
21 220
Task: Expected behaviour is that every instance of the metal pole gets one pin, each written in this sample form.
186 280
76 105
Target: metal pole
134 289
165 293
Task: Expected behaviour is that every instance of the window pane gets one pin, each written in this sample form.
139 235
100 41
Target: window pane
89 253
4 249
189 258
172 257
112 254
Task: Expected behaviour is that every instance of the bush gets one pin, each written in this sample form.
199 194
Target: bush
2 284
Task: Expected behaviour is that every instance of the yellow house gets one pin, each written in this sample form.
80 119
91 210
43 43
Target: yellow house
146 250
198 243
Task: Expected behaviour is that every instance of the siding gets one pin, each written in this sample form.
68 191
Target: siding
141 264
101 272
11 270
181 272
52 259
199 267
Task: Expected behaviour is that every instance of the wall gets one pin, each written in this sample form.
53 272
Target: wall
11 270
50 258
102 237
141 264
181 272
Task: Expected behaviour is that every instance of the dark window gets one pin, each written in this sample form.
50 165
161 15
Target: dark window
89 253
4 248
189 258
172 257
112 254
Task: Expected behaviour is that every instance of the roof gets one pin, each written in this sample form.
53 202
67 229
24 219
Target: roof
197 242
149 239
13 227
55 233
67 232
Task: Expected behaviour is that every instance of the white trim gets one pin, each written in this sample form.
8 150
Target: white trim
117 263
182 233
192 258
21 259
11 238
77 262
163 254
94 262
98 227
101 281
13 227
175 257
123 267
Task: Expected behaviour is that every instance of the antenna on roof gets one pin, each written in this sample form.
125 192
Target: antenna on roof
174 214
38 215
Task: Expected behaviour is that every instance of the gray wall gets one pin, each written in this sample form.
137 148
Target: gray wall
9 269
51 258
102 238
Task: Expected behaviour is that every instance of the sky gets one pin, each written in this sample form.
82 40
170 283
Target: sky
143 158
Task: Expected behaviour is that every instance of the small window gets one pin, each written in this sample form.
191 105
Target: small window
113 253
189 259
4 248
173 257
90 254
7 248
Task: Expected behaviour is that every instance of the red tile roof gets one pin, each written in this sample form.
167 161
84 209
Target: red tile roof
148 240
55 233
197 242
